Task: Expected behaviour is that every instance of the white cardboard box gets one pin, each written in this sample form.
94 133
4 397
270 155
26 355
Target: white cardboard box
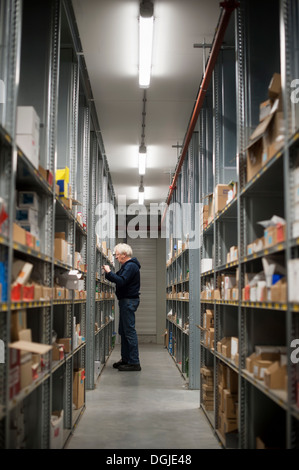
27 133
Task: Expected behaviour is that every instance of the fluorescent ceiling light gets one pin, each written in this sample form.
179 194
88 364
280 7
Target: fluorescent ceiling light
146 26
142 159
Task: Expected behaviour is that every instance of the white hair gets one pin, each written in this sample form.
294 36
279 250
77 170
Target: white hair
123 249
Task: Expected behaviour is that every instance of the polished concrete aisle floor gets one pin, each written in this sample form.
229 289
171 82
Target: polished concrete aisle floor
150 409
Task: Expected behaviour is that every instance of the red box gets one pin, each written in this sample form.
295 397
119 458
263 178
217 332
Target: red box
28 292
280 233
16 292
30 240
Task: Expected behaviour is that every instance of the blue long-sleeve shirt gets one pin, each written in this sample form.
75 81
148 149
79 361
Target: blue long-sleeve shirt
127 280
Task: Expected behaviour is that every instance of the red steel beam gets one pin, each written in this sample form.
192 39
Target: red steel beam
228 7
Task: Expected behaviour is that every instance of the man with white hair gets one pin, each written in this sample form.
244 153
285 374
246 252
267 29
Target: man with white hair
127 281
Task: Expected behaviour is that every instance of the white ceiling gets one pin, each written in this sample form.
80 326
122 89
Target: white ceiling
109 35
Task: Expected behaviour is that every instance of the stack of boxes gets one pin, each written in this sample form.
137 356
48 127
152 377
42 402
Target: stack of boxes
207 381
268 137
269 365
215 202
26 229
226 288
208 329
228 400
27 358
229 348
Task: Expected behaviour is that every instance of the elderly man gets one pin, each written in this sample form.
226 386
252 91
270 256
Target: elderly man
127 281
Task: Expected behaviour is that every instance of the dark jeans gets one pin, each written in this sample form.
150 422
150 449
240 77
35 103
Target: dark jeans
129 340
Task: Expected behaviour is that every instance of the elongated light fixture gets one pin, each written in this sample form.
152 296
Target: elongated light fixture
142 159
146 26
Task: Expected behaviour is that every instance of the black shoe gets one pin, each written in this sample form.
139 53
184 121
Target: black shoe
119 363
129 367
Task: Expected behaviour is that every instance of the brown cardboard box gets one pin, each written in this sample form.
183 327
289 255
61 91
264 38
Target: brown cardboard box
221 194
229 403
254 158
250 360
270 236
57 352
59 293
275 376
210 199
18 323
279 291
232 380
60 249
78 388
265 108
26 370
220 398
66 342
19 234
274 86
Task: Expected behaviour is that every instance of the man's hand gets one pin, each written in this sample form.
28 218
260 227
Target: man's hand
106 268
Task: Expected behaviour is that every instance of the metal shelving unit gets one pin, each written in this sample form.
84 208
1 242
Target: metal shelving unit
49 66
264 44
182 292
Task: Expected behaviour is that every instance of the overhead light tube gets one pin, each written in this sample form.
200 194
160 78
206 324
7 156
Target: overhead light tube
142 159
146 27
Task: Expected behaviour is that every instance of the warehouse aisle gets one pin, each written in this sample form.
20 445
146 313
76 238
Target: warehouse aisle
151 409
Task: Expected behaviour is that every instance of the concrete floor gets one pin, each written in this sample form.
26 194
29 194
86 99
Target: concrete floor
151 409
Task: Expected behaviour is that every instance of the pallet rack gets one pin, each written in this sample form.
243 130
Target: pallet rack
44 68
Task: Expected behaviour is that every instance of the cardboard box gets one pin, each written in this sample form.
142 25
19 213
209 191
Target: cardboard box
28 199
229 403
221 195
266 356
62 180
18 323
66 342
274 86
270 236
255 155
206 264
21 271
60 249
26 370
279 291
78 388
56 432
210 200
19 234
232 380
28 215
275 376
259 368
265 109
57 352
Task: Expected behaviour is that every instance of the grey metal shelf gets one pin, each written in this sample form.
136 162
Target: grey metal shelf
54 71
267 193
